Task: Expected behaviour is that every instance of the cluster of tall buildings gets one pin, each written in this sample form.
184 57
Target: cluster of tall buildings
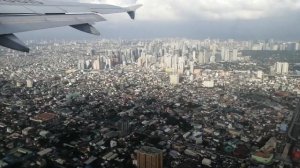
229 55
146 60
181 57
175 55
99 64
280 68
276 46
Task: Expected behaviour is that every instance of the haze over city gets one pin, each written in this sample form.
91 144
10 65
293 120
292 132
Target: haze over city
238 19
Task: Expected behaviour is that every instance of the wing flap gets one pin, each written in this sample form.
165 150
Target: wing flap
87 28
22 23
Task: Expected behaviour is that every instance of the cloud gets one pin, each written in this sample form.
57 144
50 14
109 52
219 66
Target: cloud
178 10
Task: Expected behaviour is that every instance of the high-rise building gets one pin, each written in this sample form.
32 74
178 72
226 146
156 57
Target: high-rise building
285 68
292 46
168 61
281 68
201 58
226 55
140 62
88 64
175 63
97 64
234 55
278 68
108 63
223 53
181 63
207 56
81 64
214 49
123 127
149 157
192 67
194 55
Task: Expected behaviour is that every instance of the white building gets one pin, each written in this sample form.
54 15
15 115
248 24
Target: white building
208 83
201 58
259 74
212 59
181 63
234 55
29 83
192 67
285 68
226 56
174 79
281 68
97 64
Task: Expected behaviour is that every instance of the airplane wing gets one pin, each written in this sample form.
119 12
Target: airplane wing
27 15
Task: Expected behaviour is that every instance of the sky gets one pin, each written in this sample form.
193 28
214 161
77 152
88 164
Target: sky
196 19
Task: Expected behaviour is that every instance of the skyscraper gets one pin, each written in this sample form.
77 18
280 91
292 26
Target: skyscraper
81 64
88 64
108 63
123 126
285 68
226 55
97 64
223 53
168 61
192 67
280 68
201 58
175 63
234 55
181 63
194 55
149 157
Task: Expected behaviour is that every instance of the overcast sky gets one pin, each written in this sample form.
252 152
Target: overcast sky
239 19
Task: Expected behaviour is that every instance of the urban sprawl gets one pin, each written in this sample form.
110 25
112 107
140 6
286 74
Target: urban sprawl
159 103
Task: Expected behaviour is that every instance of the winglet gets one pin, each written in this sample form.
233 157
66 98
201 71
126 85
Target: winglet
12 42
131 10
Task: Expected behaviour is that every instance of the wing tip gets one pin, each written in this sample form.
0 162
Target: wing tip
131 14
131 10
